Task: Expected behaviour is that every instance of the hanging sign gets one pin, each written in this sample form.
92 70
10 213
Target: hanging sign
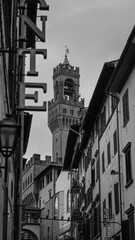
26 21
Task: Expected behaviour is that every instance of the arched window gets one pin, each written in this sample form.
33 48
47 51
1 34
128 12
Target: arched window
69 87
56 207
68 201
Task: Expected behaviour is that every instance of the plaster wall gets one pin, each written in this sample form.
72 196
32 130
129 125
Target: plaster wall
128 135
63 184
108 180
44 193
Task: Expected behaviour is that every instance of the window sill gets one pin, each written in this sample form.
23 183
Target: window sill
128 183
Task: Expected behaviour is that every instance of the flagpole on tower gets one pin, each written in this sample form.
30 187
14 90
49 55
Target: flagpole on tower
66 51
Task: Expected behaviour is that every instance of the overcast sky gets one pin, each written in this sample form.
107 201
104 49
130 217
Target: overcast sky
95 31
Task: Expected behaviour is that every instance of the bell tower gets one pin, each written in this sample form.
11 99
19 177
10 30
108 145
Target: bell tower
65 108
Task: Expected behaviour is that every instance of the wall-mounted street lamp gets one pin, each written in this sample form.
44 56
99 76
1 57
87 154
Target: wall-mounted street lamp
8 137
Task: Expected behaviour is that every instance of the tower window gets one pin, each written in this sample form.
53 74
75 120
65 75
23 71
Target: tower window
78 113
69 87
64 110
72 112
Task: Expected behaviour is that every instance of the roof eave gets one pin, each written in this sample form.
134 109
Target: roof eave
124 66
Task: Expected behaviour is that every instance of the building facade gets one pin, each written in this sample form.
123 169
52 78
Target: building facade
7 106
31 170
17 38
51 186
105 155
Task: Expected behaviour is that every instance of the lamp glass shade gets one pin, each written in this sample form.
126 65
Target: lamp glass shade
8 136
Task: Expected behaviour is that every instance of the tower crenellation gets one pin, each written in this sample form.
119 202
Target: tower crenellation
53 103
66 70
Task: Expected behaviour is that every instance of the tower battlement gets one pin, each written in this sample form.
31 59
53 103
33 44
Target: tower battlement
54 102
67 70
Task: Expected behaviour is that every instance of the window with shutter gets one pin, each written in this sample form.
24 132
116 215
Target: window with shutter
110 204
128 225
98 218
116 197
104 207
103 162
113 101
115 142
125 100
108 153
97 169
95 222
93 175
127 151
